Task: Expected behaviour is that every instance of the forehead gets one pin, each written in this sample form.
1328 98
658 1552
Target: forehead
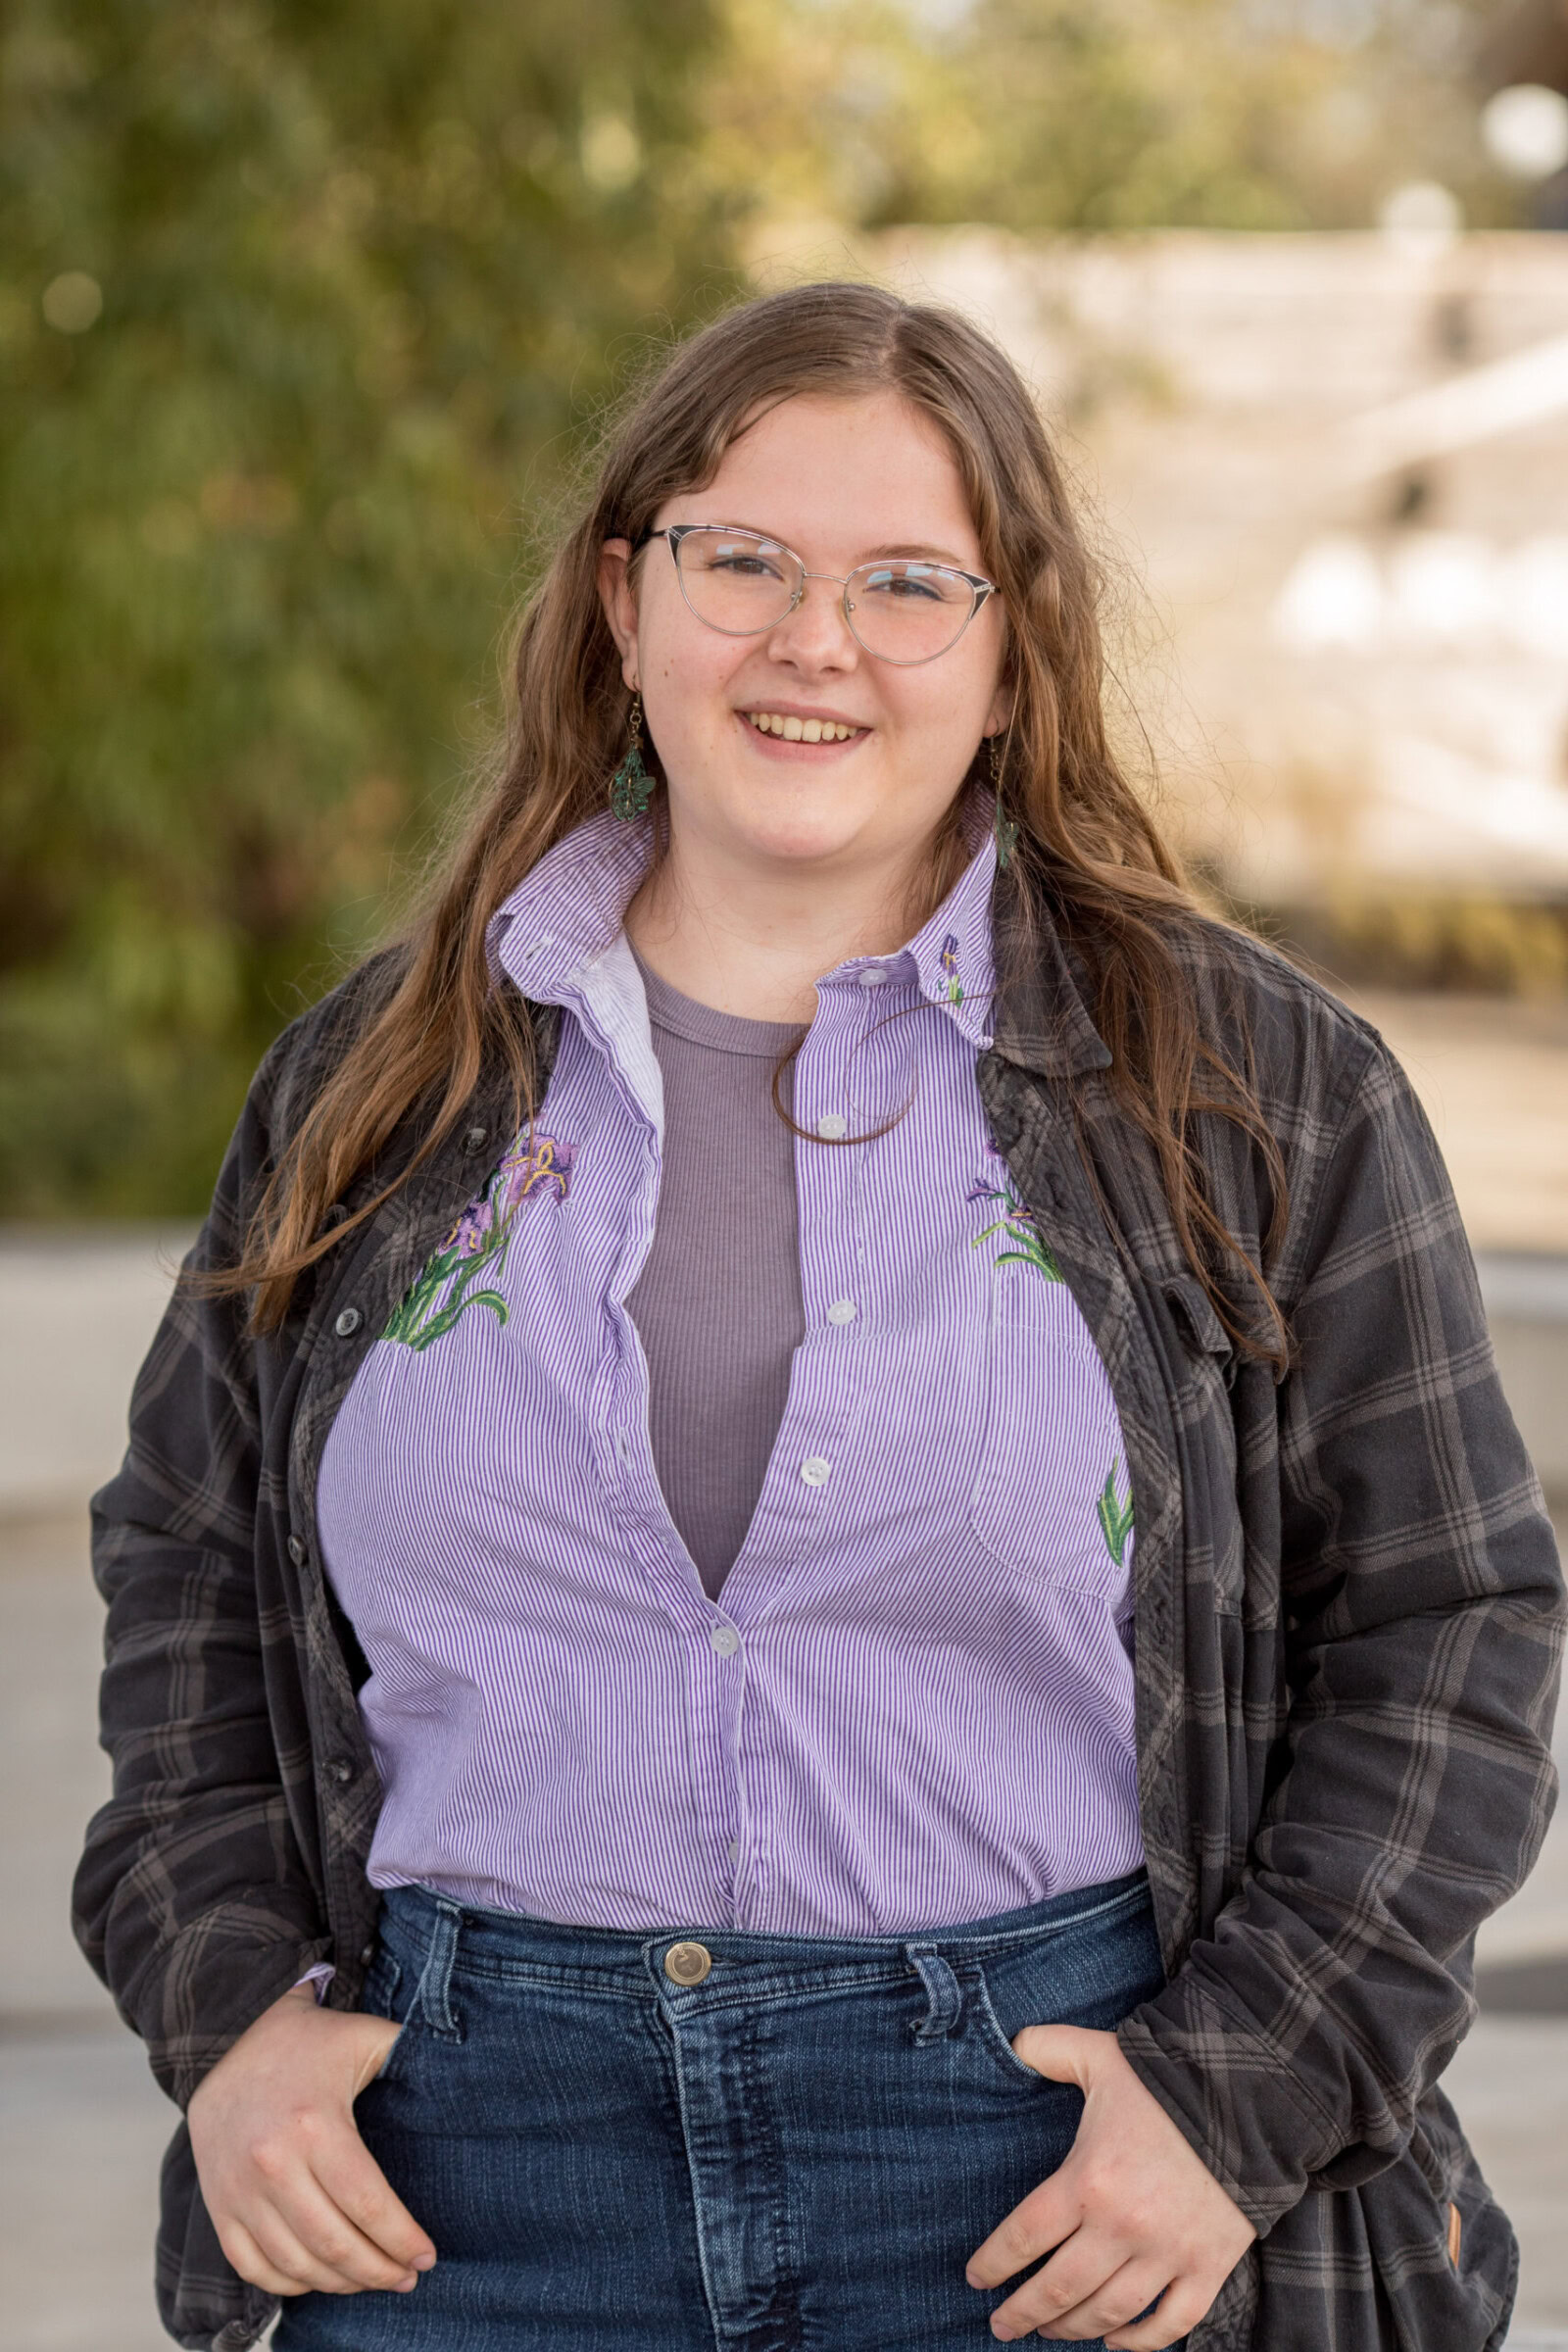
840 478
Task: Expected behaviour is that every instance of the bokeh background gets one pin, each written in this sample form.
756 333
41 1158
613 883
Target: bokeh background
309 316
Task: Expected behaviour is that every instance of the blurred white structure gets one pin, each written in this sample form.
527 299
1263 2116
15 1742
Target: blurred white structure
1340 464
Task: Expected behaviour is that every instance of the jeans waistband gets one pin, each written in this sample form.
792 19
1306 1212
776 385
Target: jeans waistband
513 1939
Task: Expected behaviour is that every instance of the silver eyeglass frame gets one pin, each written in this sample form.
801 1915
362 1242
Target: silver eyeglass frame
674 532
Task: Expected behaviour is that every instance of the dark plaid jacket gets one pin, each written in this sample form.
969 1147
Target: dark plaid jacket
1349 1621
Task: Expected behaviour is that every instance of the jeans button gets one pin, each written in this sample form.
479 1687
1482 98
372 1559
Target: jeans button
687 1963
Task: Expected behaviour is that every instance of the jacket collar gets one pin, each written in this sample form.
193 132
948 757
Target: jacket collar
1043 1022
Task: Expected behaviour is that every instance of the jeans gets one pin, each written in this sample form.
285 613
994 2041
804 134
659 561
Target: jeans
800 2149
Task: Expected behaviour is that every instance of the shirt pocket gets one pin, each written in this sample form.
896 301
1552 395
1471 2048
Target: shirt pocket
1052 1494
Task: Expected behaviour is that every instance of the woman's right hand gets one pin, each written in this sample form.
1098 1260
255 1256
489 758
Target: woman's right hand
297 2199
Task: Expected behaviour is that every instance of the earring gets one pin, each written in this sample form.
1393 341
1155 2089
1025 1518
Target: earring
1006 832
631 786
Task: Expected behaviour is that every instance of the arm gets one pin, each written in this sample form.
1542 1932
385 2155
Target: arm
1424 1616
193 1899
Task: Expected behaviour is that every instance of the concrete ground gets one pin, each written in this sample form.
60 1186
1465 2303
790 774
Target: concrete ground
81 2126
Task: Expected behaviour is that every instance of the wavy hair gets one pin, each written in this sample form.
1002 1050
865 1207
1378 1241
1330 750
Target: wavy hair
1088 856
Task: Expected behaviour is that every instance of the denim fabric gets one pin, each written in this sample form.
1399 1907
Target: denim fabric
802 2150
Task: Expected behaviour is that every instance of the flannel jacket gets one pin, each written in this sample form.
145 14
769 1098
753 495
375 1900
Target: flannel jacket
1348 1623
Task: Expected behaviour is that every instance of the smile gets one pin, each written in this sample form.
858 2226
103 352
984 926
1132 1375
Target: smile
801 730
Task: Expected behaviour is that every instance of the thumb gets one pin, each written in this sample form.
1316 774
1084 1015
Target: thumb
1061 2053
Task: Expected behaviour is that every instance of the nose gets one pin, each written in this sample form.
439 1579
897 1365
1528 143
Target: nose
816 635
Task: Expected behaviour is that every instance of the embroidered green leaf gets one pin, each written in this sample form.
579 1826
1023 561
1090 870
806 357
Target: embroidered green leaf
1030 1247
439 1325
1115 1518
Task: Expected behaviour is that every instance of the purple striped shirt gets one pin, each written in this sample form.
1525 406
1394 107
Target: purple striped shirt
912 1703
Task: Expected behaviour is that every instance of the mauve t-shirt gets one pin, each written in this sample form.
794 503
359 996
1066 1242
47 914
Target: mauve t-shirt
719 1305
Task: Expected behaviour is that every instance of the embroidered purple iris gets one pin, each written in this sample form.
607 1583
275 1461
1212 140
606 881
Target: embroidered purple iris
535 1163
948 960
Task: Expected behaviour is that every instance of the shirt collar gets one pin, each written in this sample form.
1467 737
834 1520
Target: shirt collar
567 911
565 915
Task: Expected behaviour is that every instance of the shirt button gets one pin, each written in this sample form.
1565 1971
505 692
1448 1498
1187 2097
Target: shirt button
815 1471
734 1849
842 1310
833 1126
348 1323
725 1640
687 1963
624 1446
875 975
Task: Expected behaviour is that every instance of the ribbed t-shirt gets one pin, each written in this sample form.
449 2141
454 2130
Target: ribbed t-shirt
719 1305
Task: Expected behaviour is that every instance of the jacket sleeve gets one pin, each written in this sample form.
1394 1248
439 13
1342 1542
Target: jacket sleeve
1423 1607
191 1900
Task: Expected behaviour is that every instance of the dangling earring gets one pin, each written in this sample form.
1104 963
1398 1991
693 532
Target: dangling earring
1006 832
631 786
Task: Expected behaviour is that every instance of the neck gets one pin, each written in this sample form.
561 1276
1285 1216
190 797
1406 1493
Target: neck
755 940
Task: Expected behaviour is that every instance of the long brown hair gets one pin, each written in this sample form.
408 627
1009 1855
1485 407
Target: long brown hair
1087 856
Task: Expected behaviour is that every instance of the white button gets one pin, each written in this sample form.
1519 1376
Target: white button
624 1446
832 1124
725 1640
842 1310
875 975
734 1849
815 1471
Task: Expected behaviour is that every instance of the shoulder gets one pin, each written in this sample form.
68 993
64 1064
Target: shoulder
1306 1053
302 1057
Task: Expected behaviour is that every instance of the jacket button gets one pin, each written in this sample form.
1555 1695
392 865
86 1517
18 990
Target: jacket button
366 1954
336 1214
340 1767
296 1550
475 1139
348 1323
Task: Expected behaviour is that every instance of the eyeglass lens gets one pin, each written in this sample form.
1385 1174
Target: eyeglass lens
902 611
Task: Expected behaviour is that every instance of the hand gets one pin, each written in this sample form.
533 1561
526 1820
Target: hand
1133 2213
296 2198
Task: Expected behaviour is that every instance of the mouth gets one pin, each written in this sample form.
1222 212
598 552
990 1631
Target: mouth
797 732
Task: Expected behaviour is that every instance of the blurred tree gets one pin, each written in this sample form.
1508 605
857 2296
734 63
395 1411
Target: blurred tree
298 298
1084 114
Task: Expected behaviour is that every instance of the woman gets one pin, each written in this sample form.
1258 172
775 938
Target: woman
825 1523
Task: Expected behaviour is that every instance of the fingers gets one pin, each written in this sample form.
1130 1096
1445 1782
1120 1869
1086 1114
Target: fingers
1062 2053
1181 2307
1118 2300
302 2233
1046 2217
1077 2277
359 2188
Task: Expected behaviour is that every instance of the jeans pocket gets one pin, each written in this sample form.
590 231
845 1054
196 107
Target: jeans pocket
992 2035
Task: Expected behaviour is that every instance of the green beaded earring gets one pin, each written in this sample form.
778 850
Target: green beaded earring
1006 832
631 786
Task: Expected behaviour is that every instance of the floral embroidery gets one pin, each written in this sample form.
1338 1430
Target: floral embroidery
1029 1244
478 1241
1115 1518
948 960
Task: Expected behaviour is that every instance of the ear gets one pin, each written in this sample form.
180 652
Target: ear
999 714
619 601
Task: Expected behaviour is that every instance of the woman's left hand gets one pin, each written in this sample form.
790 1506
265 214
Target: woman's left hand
1133 2214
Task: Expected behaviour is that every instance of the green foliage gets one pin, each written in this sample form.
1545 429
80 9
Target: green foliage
366 273
1100 115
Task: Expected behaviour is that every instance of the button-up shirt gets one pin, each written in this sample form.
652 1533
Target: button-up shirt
913 1703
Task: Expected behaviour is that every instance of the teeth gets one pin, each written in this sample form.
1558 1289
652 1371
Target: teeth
800 730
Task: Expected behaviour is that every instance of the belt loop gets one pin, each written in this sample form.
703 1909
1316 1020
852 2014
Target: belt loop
943 1996
433 1997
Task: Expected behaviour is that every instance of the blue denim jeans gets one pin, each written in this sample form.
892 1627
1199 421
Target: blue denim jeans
800 2150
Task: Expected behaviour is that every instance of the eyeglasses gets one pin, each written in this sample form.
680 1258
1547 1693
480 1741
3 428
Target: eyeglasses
741 582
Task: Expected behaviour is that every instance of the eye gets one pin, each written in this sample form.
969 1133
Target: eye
745 566
910 583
